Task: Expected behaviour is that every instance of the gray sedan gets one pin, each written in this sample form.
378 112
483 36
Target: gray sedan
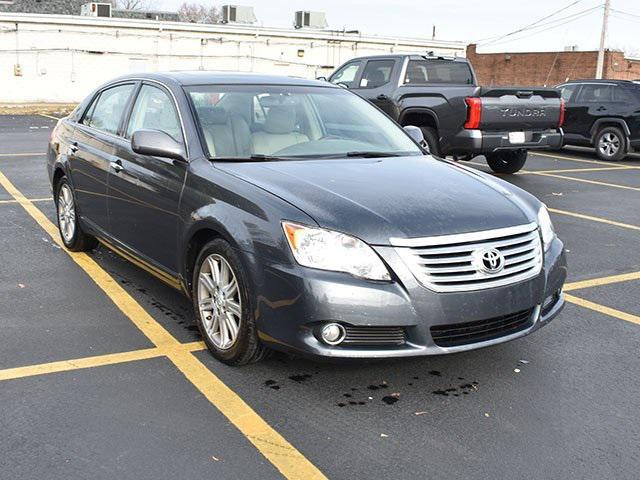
299 217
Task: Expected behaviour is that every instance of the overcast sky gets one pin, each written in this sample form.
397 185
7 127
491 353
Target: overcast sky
464 20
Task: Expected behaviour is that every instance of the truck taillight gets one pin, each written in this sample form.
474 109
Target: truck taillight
474 112
562 108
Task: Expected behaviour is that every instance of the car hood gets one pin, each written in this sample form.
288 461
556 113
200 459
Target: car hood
401 197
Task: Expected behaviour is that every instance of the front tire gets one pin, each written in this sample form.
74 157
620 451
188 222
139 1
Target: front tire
507 161
223 300
431 137
71 233
611 144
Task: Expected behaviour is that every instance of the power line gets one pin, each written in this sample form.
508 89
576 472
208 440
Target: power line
550 25
526 27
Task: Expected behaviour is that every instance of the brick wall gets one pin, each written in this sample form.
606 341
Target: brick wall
548 68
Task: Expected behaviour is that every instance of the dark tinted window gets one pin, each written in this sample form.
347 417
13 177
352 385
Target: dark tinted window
346 74
154 110
620 94
106 111
594 93
438 71
567 91
377 73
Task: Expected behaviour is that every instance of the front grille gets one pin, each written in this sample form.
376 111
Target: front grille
452 263
373 335
457 334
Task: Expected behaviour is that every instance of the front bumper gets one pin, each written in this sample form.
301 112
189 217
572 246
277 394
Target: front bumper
479 141
294 301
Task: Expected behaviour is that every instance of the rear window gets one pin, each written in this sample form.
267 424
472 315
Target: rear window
420 72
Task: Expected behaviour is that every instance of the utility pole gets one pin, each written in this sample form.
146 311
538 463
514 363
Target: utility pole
603 38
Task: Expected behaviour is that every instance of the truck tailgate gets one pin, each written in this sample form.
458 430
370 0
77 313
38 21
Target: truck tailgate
510 109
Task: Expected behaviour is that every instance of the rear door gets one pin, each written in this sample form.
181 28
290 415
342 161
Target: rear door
144 191
593 101
91 152
375 83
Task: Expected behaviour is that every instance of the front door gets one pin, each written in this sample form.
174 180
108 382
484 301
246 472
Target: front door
375 84
144 191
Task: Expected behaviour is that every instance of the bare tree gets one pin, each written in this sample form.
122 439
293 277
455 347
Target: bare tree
135 4
197 13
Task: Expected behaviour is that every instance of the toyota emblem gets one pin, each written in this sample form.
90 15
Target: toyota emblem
489 260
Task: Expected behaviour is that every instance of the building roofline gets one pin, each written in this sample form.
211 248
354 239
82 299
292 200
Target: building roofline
238 29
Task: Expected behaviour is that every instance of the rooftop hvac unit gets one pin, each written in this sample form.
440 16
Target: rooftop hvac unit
95 9
310 19
237 14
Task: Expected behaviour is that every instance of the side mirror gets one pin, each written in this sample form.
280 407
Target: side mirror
322 78
157 144
416 134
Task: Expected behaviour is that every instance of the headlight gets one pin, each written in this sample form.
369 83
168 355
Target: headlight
329 250
546 227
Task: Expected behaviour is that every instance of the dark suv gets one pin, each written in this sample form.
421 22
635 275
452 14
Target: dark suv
604 114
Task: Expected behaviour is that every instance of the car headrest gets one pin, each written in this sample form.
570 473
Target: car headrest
213 115
280 119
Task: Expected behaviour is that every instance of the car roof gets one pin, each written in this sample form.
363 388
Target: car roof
597 80
204 77
412 56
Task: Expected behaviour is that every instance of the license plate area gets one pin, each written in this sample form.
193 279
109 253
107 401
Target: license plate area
516 137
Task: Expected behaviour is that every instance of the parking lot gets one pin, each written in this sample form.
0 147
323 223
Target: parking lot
103 375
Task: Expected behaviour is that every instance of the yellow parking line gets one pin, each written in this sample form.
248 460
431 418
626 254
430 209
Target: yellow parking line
49 116
596 282
596 307
46 199
23 154
583 160
79 363
284 456
594 219
584 180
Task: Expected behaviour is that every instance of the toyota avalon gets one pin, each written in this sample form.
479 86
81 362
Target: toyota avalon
299 217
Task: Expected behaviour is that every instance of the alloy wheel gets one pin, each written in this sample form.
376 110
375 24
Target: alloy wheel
219 301
66 213
609 144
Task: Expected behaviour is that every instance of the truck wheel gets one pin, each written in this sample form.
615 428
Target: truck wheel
431 137
611 144
507 161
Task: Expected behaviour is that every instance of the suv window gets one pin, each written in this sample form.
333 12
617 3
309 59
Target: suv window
346 74
377 73
154 110
620 94
106 111
567 91
420 72
594 93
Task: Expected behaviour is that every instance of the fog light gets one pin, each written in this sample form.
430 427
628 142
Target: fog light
333 333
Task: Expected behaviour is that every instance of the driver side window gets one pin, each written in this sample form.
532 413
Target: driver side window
346 75
154 110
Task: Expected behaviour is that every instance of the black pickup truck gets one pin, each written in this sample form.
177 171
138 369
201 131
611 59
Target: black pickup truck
457 117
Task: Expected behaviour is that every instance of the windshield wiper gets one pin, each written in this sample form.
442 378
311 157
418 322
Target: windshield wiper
255 157
371 154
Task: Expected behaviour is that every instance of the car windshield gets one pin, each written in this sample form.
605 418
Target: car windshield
265 122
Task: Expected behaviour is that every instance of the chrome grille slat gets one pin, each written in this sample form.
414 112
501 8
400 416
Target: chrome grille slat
450 263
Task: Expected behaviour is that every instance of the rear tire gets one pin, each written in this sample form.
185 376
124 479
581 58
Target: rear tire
71 233
431 137
611 144
223 301
506 161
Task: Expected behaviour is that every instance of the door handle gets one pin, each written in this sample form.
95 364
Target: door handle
382 96
601 109
116 166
